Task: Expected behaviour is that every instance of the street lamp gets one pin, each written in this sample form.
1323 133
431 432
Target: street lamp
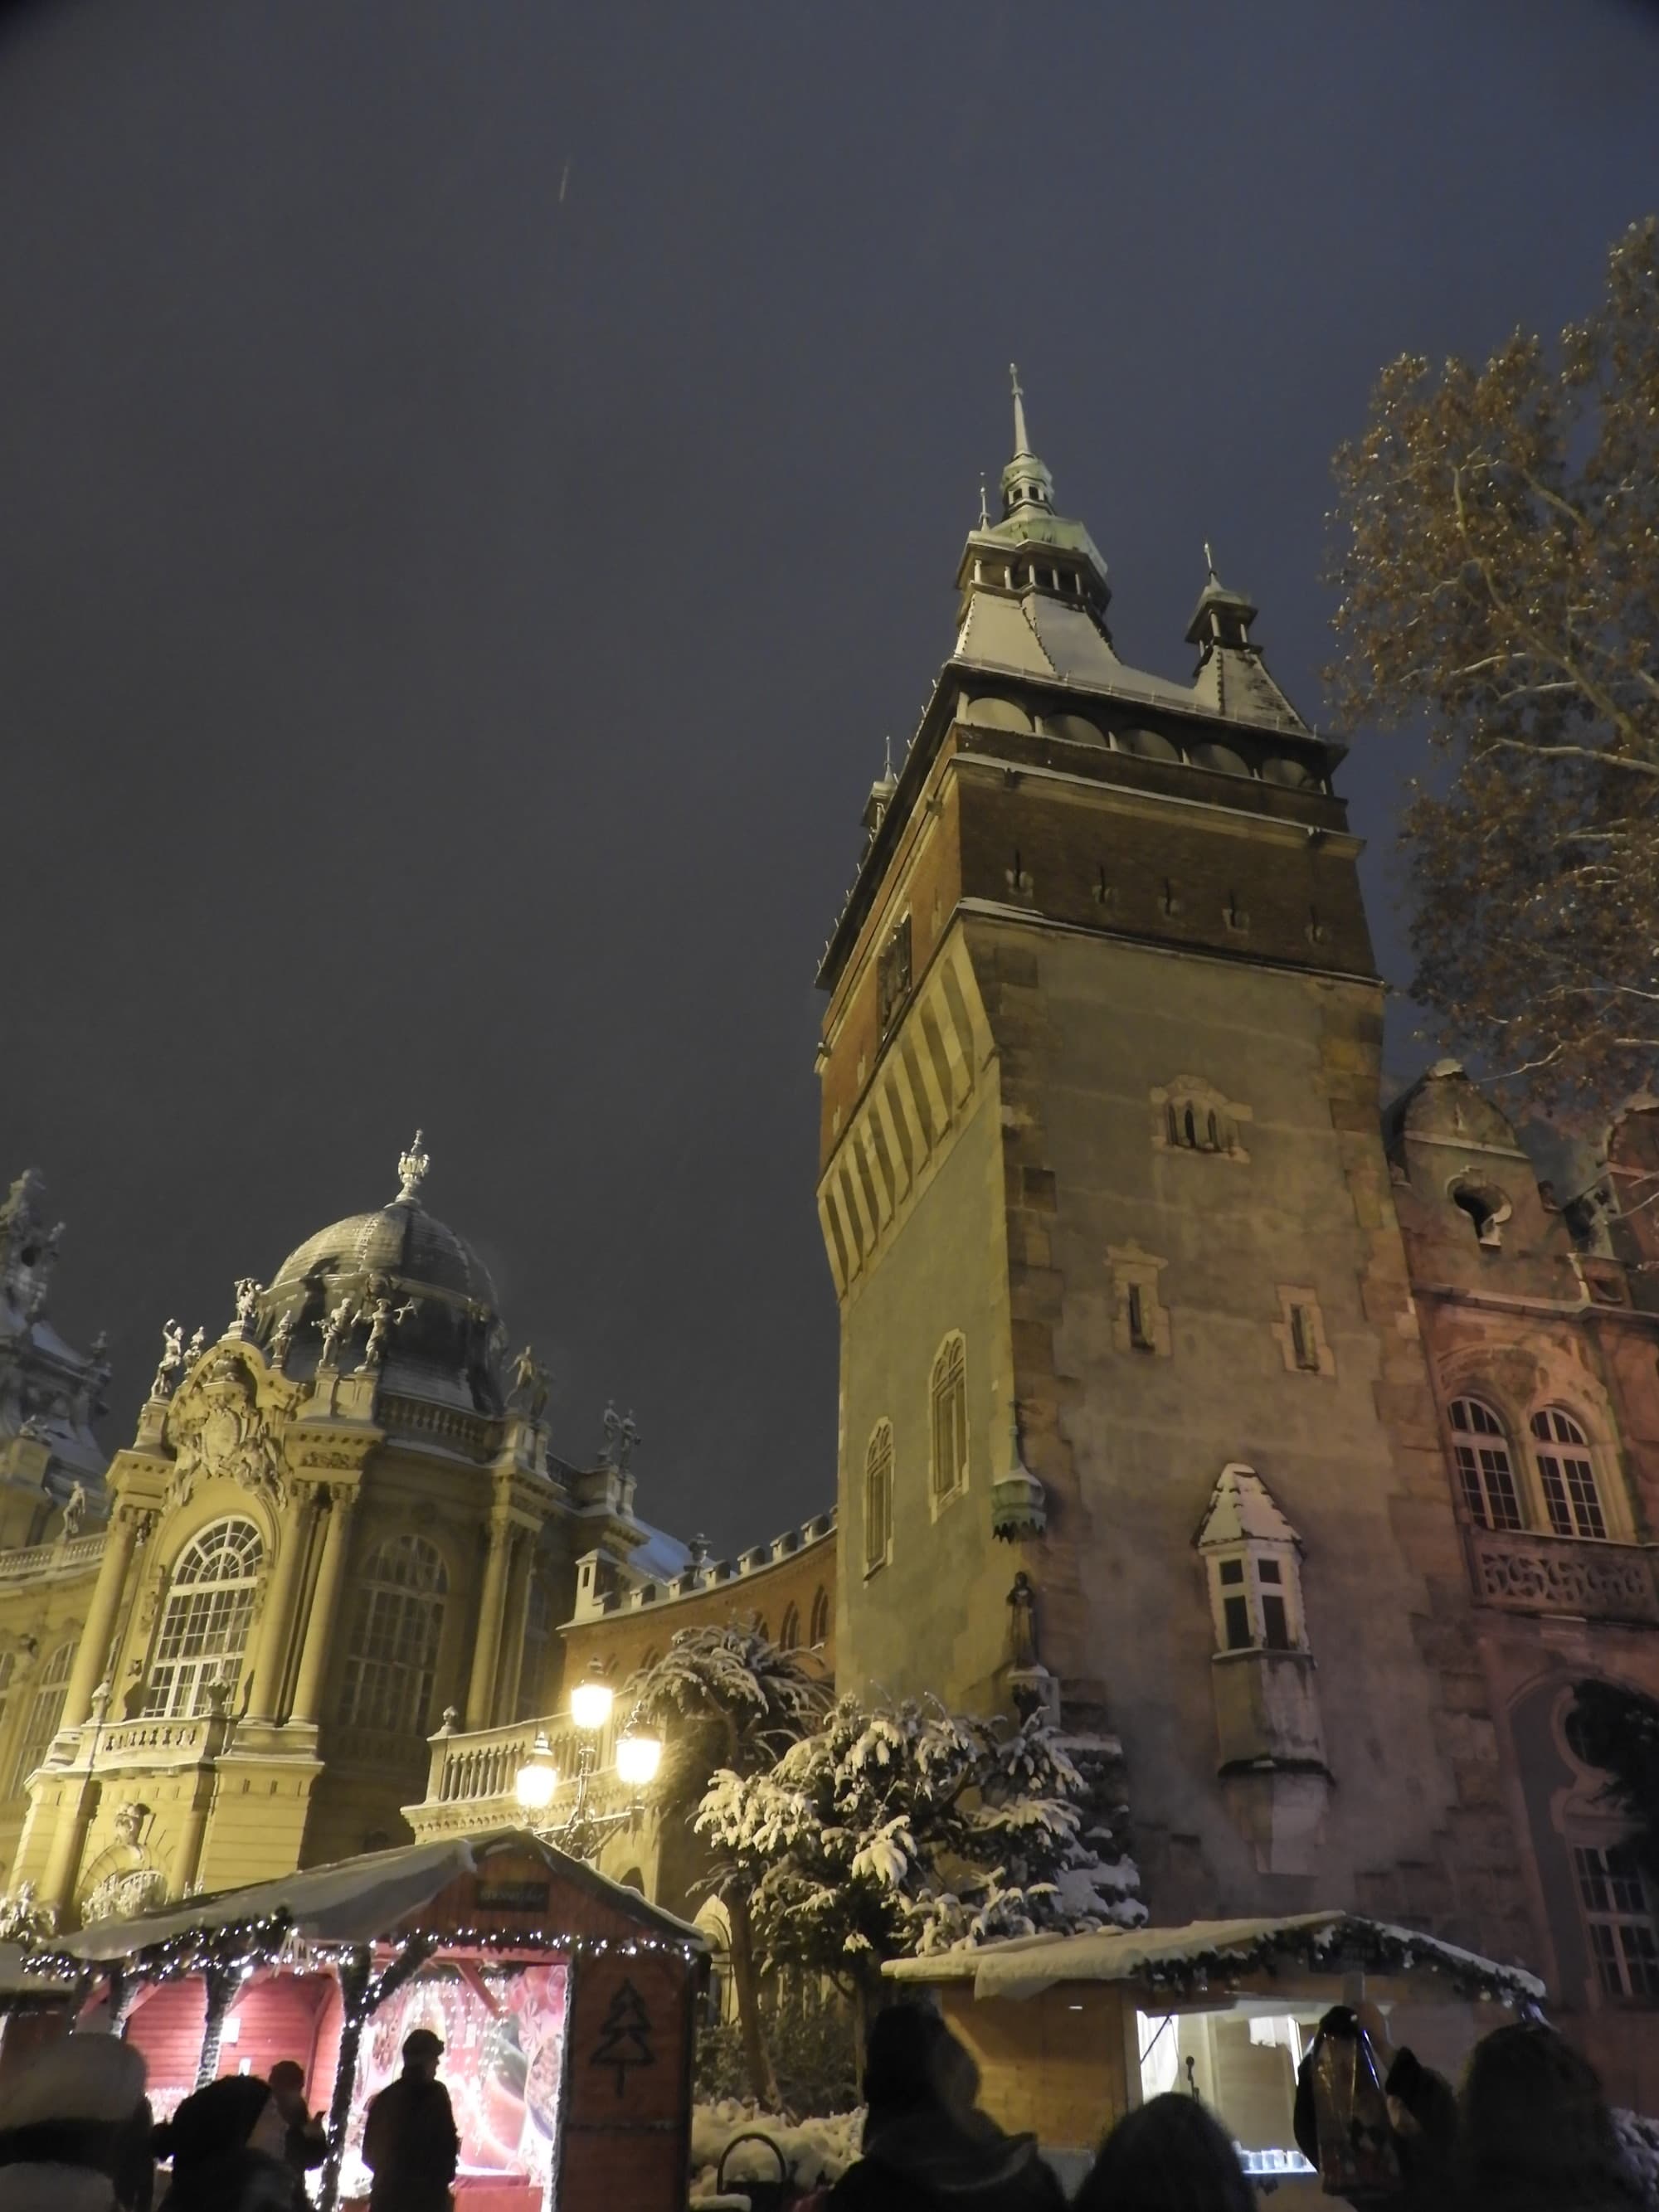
639 1755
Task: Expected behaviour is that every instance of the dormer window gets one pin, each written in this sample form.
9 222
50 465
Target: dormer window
1251 1555
1253 1591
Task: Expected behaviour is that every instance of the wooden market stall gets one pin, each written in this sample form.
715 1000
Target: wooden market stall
566 2003
1069 2032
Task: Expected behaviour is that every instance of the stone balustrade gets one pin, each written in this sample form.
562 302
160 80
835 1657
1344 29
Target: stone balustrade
1524 1573
77 1555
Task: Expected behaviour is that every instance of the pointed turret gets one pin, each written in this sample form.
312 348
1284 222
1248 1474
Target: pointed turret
1230 675
1026 482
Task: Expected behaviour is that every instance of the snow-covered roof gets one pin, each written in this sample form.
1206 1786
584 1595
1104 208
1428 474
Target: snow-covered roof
1240 1510
351 1902
1323 1942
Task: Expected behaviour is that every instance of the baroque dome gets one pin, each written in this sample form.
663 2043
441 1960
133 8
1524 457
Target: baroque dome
443 1336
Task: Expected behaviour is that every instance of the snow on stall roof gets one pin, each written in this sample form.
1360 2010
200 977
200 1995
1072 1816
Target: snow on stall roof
353 1900
1025 1965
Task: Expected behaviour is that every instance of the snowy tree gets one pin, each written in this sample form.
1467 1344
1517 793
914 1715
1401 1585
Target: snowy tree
727 1699
911 1830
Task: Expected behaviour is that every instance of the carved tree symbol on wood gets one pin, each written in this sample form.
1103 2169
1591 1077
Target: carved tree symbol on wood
625 2036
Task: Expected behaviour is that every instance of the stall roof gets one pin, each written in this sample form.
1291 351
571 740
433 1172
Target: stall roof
353 1901
1185 1958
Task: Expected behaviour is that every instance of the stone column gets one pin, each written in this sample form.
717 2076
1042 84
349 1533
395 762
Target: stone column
72 1818
277 1629
324 1603
93 1656
518 1606
481 1688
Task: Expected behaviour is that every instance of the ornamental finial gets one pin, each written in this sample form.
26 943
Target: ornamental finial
1209 562
1022 442
411 1169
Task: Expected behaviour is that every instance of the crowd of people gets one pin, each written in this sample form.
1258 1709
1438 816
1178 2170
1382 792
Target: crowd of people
1528 2131
78 2135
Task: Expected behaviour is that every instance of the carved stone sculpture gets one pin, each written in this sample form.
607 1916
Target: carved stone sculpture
172 1358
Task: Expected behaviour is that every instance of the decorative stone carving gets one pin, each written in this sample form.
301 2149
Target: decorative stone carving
335 1328
1559 1574
412 1167
23 1918
218 1430
124 1895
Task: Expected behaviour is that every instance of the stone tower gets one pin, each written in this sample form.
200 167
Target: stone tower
1123 1299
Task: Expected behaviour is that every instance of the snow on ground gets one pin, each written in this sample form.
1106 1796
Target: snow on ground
816 2151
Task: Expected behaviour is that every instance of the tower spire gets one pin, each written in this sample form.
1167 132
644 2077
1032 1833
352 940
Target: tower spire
1022 439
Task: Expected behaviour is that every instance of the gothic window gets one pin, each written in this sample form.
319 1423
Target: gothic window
1619 1916
393 1653
204 1627
879 1498
46 1709
1141 1333
789 1630
1485 1473
948 1395
538 1633
1190 1115
820 1629
893 975
1567 1475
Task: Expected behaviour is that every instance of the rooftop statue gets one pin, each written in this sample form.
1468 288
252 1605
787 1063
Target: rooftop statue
172 1358
620 1437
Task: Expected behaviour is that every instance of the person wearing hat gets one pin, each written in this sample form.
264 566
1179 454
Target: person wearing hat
410 2142
73 2121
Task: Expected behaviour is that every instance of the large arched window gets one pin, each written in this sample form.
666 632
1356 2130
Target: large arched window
204 1627
879 1497
394 1655
948 1398
46 1709
1486 1472
1566 1475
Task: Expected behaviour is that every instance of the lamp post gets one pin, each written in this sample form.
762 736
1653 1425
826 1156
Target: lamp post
639 1755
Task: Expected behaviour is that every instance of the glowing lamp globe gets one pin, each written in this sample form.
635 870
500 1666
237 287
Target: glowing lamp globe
538 1779
639 1755
592 1699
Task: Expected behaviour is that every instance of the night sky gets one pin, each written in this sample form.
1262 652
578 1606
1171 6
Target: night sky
477 482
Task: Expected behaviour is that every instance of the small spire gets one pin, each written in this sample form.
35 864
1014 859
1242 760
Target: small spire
887 757
412 1167
984 507
1209 562
1022 442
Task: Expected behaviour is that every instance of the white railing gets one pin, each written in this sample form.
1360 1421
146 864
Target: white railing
484 1763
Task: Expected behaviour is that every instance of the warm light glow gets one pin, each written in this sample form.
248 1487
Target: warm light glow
639 1755
538 1779
592 1699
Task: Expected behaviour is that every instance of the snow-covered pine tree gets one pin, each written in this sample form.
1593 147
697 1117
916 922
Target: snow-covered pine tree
912 1829
728 1699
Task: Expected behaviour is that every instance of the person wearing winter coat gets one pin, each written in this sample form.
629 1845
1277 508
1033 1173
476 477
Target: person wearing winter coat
225 2142
928 2148
410 2141
74 2129
1170 2155
1535 2133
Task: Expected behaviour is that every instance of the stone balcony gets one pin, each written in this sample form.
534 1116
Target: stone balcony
36 1563
1524 1573
471 1782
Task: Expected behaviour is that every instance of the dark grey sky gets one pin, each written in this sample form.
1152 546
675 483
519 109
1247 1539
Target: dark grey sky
476 482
